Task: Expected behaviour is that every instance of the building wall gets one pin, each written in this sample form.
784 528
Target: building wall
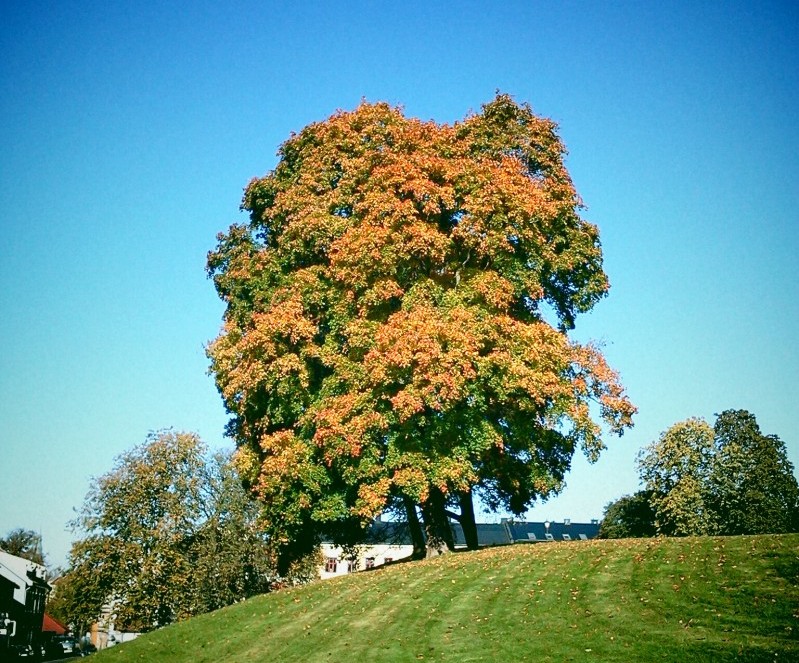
29 589
379 554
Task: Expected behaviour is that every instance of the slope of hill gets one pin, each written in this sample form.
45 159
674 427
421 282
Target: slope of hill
691 599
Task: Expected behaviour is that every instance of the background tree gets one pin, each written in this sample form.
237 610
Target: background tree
628 517
397 322
728 479
754 487
228 553
170 533
24 543
675 471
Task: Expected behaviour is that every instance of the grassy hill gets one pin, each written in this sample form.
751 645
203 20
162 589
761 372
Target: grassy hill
693 599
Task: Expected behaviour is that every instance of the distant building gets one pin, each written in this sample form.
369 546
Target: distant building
23 593
390 541
104 633
524 532
385 542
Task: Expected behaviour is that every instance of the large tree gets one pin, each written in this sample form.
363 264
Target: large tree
398 308
168 533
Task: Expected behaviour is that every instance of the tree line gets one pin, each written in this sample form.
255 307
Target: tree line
724 479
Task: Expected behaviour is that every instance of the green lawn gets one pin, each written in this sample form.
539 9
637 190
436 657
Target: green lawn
692 599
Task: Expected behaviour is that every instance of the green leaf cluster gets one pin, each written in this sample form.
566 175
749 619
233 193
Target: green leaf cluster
630 516
725 479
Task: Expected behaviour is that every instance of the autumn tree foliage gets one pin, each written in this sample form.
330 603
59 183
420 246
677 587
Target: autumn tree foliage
396 331
168 533
675 470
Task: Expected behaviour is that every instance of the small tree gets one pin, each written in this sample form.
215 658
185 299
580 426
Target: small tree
24 543
629 516
80 592
675 472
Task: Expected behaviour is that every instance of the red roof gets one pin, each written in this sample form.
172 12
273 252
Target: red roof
52 625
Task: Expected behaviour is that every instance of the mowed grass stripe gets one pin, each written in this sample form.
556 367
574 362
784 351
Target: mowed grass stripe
691 599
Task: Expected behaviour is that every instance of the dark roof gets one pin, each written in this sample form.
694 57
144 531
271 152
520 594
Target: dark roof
384 532
9 582
396 533
488 534
520 530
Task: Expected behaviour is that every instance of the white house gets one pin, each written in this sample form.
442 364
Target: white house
386 542
25 590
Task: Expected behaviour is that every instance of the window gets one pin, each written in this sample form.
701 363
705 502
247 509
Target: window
370 562
330 564
388 560
352 565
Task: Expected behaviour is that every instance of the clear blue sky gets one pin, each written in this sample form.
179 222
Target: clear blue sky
127 134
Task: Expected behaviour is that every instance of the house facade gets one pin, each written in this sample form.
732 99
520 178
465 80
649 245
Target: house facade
385 543
390 541
23 593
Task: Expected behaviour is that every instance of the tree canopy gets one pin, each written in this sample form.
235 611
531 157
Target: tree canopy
170 532
725 479
24 543
754 486
398 308
630 516
675 470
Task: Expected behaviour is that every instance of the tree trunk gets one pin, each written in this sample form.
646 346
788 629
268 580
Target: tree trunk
417 535
467 520
436 525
